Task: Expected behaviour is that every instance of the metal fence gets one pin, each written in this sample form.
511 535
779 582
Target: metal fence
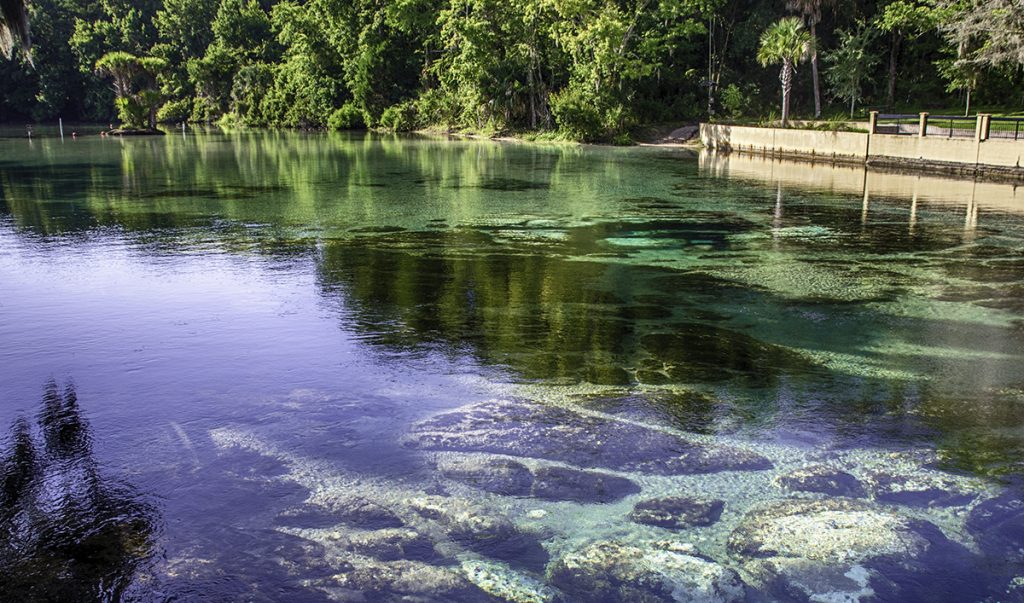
949 126
895 123
1011 128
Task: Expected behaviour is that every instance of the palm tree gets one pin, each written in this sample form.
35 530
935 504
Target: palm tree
122 66
785 42
811 12
14 27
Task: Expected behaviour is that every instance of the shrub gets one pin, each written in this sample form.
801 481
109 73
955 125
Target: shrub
732 101
347 117
399 118
738 102
230 121
174 111
435 108
131 112
577 115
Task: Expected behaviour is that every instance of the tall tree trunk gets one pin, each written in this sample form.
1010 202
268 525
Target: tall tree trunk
814 71
533 95
711 63
532 84
894 51
786 77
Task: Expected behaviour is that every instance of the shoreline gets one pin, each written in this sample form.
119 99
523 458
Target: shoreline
656 135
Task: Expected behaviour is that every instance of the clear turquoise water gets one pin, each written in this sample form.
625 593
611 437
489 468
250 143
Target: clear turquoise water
254 323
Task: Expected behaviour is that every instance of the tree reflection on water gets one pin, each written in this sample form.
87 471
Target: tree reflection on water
67 533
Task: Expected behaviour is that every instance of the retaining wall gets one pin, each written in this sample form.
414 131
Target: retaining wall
950 155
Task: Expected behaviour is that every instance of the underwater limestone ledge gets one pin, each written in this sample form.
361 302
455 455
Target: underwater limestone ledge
613 572
848 550
512 478
554 433
822 479
677 512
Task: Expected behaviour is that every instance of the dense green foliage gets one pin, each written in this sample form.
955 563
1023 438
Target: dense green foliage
591 69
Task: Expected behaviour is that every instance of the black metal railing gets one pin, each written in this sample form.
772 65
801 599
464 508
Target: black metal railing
1011 128
898 123
952 126
949 126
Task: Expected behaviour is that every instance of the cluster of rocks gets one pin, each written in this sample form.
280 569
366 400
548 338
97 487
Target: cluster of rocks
832 536
524 429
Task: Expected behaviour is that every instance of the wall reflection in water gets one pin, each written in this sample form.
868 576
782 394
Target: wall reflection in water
914 189
67 533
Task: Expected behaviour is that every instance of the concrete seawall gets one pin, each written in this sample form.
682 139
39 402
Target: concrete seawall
953 156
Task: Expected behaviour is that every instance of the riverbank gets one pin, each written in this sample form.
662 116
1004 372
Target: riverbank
677 134
680 134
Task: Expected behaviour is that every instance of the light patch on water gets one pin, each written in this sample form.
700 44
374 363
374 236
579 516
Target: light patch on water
922 307
860 576
904 348
804 232
791 279
865 366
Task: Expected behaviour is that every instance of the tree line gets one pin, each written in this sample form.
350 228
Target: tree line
585 69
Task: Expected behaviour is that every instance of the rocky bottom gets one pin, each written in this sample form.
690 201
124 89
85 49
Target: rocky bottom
544 503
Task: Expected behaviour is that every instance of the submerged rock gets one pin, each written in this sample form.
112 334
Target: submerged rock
920 489
823 480
362 513
356 511
998 526
677 512
500 476
526 429
512 478
560 483
506 585
486 533
843 549
410 581
613 572
393 544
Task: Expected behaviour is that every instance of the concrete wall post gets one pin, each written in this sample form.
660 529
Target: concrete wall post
872 121
922 125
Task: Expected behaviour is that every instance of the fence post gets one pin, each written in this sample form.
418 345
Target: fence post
922 125
978 126
872 122
986 126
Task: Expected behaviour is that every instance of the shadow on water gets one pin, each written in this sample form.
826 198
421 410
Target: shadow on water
679 340
67 532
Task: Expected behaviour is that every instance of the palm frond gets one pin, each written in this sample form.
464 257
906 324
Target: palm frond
785 40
